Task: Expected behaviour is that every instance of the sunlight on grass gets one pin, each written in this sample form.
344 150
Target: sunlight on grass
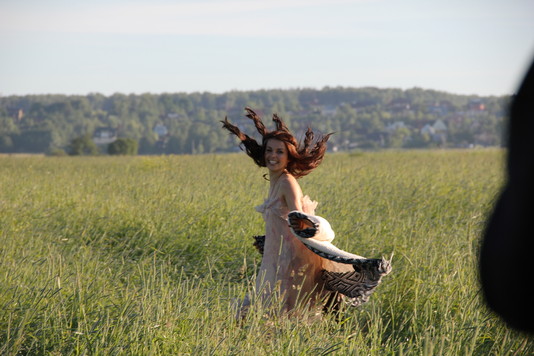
147 255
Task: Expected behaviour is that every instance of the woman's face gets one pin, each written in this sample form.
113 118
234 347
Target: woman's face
276 157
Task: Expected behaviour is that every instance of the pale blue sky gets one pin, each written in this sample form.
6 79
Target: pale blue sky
78 47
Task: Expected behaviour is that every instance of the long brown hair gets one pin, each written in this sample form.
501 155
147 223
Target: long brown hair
303 158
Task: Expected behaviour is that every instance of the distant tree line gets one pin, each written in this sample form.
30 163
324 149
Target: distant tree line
189 123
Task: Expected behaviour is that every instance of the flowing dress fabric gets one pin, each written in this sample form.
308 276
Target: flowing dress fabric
289 270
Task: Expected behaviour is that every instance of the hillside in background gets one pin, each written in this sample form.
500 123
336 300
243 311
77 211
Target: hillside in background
189 123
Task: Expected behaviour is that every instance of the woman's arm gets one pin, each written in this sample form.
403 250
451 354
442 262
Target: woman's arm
291 192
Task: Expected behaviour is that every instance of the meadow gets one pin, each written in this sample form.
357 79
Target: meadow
146 255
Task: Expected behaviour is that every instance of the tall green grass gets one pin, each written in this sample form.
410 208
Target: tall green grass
146 255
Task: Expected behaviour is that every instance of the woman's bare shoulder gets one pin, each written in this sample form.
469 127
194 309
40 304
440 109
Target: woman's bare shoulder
288 178
289 183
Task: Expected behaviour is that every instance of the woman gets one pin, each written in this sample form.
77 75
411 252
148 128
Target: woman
290 273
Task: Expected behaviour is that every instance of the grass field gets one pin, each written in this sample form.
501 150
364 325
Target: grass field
144 255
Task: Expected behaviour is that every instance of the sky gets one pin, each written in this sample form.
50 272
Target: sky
75 47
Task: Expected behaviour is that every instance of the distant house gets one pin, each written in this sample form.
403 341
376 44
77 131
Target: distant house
440 127
17 114
438 131
442 107
160 130
173 115
328 110
104 135
364 103
20 114
399 105
396 126
475 106
428 130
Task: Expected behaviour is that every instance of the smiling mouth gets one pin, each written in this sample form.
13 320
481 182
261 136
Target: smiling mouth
273 162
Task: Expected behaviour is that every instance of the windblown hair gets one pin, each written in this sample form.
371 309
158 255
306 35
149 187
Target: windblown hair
303 158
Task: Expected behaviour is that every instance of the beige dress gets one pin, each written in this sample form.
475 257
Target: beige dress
290 273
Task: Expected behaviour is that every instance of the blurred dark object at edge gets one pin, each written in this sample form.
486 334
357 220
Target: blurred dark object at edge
506 257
